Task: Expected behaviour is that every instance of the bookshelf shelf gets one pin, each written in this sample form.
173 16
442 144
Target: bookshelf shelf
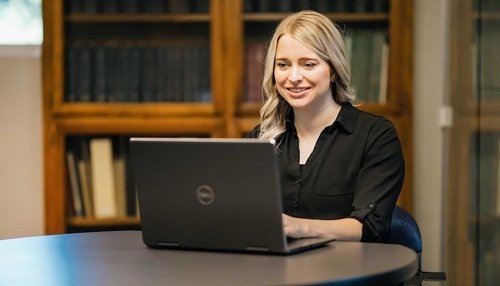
138 18
141 125
143 109
341 17
72 113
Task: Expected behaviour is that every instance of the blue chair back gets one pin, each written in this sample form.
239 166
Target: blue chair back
405 231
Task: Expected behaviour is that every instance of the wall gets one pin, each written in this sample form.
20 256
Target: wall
430 81
21 192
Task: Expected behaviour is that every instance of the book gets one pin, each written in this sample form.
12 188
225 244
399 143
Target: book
161 74
103 183
339 5
85 186
109 6
375 66
85 175
360 6
133 74
148 74
249 6
153 6
85 72
265 6
130 6
187 83
284 6
178 6
112 73
360 61
201 6
74 184
205 75
299 5
73 6
100 74
71 75
384 74
119 169
254 71
380 5
322 6
89 6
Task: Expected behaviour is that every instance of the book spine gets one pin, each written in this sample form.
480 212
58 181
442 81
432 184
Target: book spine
89 6
85 66
153 6
178 6
73 7
76 194
130 6
201 6
339 6
101 160
71 74
100 74
108 6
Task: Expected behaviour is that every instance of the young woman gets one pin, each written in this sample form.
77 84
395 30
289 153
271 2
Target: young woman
342 169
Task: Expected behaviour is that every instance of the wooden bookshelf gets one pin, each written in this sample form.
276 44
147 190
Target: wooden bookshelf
225 30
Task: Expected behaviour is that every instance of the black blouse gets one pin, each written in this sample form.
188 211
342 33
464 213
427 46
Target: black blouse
355 170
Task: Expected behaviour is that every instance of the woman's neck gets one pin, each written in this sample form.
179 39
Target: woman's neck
309 123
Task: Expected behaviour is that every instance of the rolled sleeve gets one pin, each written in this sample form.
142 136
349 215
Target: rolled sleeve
379 182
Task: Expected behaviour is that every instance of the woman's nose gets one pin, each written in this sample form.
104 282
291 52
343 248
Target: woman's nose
295 75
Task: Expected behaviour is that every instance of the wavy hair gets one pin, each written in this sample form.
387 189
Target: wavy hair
319 34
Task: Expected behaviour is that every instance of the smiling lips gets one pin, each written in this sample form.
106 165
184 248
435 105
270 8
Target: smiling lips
297 90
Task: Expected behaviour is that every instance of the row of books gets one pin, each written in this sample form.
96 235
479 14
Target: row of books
136 6
101 184
368 55
367 52
357 6
97 73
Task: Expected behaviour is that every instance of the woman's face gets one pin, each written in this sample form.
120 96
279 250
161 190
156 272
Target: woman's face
302 77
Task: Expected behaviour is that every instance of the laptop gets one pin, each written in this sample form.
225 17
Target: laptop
212 194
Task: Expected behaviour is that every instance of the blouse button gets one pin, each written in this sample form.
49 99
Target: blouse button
299 181
371 206
294 202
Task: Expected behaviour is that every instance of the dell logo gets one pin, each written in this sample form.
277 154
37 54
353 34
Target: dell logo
205 195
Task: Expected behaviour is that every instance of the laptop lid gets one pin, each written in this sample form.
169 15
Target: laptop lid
214 194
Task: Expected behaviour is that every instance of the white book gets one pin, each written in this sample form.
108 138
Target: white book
103 183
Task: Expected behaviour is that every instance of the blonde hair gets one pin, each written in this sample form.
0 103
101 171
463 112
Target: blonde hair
319 34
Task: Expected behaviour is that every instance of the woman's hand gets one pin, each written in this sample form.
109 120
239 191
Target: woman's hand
341 229
297 227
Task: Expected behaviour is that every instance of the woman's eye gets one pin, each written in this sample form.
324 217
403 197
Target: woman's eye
310 64
281 65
